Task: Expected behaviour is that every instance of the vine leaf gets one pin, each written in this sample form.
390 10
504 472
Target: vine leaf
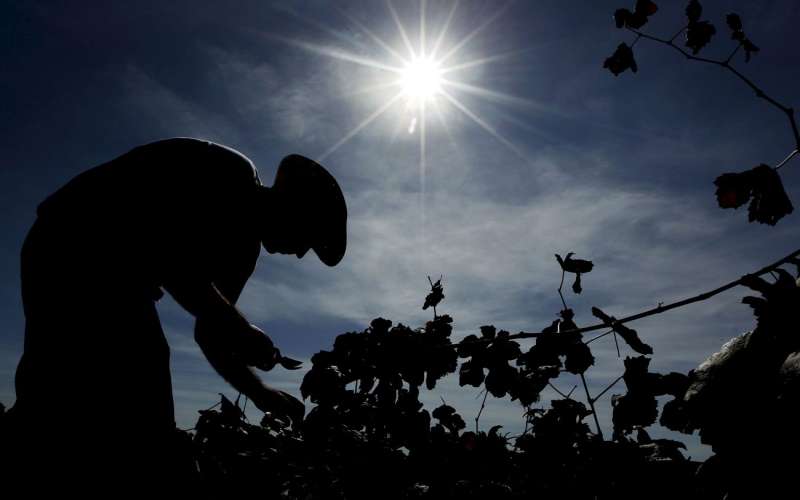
436 295
575 266
637 18
698 33
760 185
737 33
693 11
629 335
621 60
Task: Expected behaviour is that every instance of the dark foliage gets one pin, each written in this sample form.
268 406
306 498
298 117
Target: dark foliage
629 335
621 60
761 186
769 200
638 18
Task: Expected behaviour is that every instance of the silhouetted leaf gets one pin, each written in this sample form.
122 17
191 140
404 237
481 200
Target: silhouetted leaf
734 22
698 34
579 358
380 326
762 186
470 374
646 7
675 416
576 286
289 363
749 49
693 11
737 33
621 17
448 417
633 410
230 412
500 379
436 295
629 335
638 18
571 265
621 60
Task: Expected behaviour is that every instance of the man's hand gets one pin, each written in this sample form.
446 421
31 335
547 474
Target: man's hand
281 404
232 345
254 348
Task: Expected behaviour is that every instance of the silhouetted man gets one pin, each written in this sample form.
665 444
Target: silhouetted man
183 215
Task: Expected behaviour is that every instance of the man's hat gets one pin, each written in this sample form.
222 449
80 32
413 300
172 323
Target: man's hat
320 200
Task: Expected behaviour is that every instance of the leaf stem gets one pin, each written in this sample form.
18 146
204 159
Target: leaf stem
728 60
599 337
556 389
676 35
608 388
478 416
560 286
591 404
786 160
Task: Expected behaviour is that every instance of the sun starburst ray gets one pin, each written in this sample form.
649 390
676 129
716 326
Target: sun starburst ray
401 29
371 88
375 38
478 62
360 126
454 50
488 128
491 94
422 165
422 28
340 54
443 31
440 116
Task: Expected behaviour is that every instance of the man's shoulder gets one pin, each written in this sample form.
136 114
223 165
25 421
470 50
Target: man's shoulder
200 154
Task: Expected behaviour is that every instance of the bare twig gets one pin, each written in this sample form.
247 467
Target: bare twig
676 35
591 404
560 286
738 46
571 391
786 160
599 337
616 343
608 388
478 416
556 389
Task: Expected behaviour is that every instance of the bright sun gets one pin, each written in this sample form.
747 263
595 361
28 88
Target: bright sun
421 78
424 75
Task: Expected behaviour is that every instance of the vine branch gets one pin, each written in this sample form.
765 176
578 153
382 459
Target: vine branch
483 405
560 286
788 111
591 404
674 305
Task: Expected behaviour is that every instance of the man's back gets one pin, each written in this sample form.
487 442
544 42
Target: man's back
177 205
95 358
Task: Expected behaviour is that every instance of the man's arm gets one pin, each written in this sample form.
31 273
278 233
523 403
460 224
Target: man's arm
229 342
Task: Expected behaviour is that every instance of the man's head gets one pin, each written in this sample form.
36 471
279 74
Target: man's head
306 211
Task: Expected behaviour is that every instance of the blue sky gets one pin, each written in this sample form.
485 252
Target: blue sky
555 155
